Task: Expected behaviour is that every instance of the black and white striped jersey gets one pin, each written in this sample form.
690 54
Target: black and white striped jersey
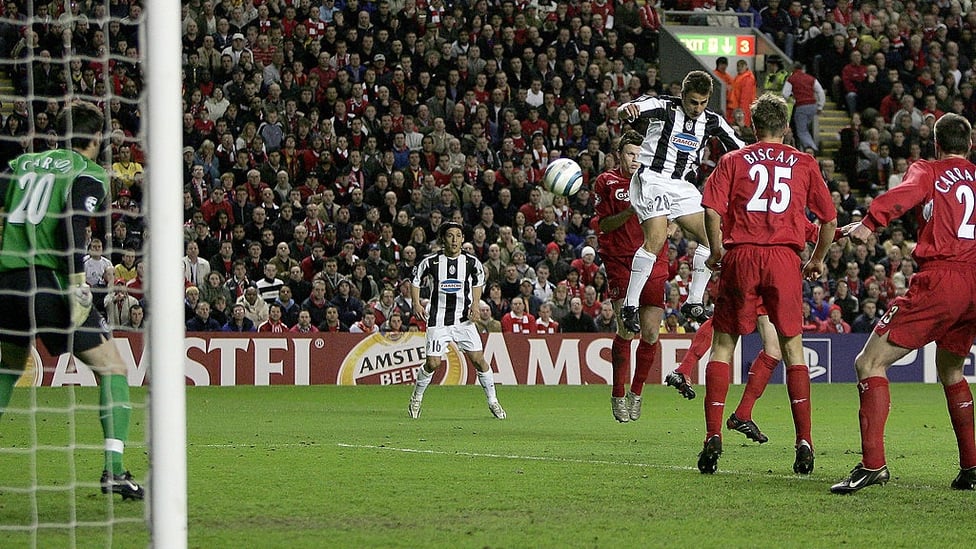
674 143
452 281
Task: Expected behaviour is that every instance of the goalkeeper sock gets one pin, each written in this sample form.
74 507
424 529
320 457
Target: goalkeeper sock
798 388
875 399
699 346
759 373
717 378
7 382
959 400
423 380
487 380
620 362
700 275
114 413
646 354
640 270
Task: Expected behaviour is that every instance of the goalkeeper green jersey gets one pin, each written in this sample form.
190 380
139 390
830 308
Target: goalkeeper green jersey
48 199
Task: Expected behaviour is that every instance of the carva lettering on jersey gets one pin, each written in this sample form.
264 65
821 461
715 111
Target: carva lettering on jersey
759 155
46 163
944 182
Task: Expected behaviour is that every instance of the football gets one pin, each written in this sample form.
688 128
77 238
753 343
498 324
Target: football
563 176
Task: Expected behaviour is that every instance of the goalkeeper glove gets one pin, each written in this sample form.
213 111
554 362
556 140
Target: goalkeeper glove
80 298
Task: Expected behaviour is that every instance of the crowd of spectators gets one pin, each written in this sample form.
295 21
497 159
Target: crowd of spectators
325 141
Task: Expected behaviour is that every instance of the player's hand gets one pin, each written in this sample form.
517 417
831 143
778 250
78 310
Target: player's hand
856 231
420 312
813 270
630 112
80 298
714 261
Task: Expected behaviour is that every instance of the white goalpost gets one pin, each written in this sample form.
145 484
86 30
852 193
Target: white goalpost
167 409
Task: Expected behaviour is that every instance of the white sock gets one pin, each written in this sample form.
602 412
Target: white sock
487 380
700 275
640 271
423 380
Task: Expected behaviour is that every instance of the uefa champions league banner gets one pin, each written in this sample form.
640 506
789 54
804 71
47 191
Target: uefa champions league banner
378 359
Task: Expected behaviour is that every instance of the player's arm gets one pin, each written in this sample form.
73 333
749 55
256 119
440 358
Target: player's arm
727 136
476 292
87 199
418 307
632 110
894 203
713 228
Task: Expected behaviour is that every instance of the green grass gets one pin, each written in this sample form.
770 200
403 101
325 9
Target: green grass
330 466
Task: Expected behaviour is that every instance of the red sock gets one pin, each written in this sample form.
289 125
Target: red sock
959 399
759 374
699 346
646 353
798 388
717 379
620 360
873 414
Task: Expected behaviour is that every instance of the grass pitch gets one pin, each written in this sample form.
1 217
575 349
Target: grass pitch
328 466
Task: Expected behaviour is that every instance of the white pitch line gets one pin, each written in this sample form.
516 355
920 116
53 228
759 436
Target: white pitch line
566 460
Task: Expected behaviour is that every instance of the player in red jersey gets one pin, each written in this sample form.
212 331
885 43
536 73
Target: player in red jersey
940 305
621 236
755 205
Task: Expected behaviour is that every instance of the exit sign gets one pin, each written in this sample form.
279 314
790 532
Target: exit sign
706 44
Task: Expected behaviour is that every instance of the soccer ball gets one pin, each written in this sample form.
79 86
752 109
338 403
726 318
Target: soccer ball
563 176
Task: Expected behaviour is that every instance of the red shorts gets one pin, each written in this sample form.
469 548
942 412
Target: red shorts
618 276
759 280
938 307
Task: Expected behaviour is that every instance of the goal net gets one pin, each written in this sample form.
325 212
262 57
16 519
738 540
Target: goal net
53 492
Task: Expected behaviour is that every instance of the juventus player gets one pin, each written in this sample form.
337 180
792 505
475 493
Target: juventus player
664 188
940 305
457 280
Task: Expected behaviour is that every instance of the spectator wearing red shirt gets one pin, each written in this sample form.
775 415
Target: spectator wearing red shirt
585 266
518 320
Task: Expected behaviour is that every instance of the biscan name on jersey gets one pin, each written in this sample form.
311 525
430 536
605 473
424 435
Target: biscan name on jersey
684 142
948 178
759 155
451 286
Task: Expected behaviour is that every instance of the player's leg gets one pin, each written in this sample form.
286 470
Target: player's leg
620 362
115 407
693 225
872 364
717 380
469 341
651 201
655 232
680 379
13 361
959 400
798 389
759 374
648 348
437 341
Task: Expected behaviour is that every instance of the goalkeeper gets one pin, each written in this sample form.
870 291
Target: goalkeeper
47 201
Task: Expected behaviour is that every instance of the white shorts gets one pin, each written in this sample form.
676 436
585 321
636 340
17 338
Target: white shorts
465 335
655 196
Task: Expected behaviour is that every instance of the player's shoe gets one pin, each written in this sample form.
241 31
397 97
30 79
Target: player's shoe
680 382
966 480
747 428
630 318
708 458
414 407
634 402
621 412
695 311
861 477
497 410
804 459
122 485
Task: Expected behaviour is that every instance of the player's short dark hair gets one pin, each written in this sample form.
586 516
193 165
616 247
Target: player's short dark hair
770 115
953 134
699 82
442 231
629 137
80 120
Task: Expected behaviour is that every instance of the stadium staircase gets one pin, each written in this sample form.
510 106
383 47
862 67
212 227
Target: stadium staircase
7 93
832 120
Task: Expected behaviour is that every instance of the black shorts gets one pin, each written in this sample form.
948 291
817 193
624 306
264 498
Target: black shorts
40 308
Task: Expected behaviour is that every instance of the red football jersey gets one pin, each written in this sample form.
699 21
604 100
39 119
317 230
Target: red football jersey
512 324
762 193
612 196
944 191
